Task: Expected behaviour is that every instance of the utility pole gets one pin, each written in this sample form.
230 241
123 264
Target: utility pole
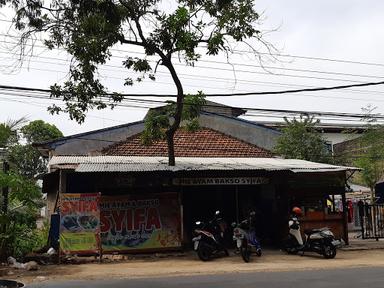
4 210
5 190
4 204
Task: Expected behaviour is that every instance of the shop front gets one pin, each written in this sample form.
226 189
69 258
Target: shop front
321 196
153 207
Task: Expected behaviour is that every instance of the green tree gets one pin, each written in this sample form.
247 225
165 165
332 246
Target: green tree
301 140
158 120
40 131
366 151
88 30
21 197
368 155
17 219
26 159
8 132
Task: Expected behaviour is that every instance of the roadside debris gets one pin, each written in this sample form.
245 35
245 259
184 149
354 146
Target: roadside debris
51 251
30 266
43 257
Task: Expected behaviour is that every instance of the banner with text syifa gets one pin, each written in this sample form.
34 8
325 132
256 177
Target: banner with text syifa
136 222
79 223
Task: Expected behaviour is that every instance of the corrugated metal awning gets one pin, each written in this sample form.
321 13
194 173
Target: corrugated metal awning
147 164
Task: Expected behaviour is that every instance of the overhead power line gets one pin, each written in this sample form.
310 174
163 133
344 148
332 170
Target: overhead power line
19 88
313 58
299 90
264 112
347 61
222 79
240 64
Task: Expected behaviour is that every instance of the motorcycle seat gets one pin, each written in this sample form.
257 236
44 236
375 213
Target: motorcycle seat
312 231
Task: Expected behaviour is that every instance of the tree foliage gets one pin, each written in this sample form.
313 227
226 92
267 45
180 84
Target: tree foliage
88 30
18 217
366 151
8 132
24 192
301 140
159 120
26 159
40 131
21 203
369 155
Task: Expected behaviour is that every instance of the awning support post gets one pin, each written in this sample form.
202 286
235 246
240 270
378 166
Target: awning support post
237 203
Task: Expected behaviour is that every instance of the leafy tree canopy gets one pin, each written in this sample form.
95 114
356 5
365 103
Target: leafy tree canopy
22 196
40 131
301 140
369 155
88 30
8 132
18 215
23 157
158 120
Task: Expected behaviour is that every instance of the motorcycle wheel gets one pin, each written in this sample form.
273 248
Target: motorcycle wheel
289 247
204 252
292 251
245 252
329 251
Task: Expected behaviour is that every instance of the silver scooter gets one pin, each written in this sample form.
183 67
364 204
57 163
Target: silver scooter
321 241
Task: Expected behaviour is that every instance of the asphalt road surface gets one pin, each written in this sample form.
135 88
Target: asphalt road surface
343 278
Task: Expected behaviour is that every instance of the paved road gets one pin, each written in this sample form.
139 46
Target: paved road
341 278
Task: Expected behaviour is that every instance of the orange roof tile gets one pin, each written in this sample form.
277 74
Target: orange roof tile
202 143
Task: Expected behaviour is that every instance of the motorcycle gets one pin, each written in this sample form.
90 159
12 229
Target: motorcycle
208 240
245 237
321 241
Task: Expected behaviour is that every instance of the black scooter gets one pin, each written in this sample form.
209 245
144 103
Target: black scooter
208 240
321 241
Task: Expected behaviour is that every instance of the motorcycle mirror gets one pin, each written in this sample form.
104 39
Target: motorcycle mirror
197 222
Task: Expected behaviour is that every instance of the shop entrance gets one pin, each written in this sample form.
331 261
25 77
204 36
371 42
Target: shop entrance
234 203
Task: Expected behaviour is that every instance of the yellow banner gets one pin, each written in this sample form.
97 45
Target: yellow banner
79 223
85 241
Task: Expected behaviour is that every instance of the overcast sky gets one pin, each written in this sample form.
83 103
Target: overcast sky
344 29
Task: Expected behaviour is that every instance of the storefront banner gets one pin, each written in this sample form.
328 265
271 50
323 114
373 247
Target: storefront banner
79 223
136 222
221 181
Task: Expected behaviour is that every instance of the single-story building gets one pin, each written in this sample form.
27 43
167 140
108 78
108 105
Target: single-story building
196 187
227 165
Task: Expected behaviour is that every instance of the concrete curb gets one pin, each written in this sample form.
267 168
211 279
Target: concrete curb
363 245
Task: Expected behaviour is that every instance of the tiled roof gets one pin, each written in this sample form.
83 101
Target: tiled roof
202 143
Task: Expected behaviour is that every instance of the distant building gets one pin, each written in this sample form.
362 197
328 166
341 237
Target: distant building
333 133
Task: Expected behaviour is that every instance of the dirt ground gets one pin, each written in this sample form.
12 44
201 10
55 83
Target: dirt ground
189 264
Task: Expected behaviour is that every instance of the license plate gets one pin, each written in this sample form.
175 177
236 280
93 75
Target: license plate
336 243
196 245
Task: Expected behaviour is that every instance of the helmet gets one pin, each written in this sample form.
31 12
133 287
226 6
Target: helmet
297 211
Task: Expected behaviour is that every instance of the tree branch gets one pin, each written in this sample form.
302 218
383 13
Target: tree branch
132 42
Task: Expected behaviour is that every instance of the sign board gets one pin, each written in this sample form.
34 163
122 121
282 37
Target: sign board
221 181
136 222
79 223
